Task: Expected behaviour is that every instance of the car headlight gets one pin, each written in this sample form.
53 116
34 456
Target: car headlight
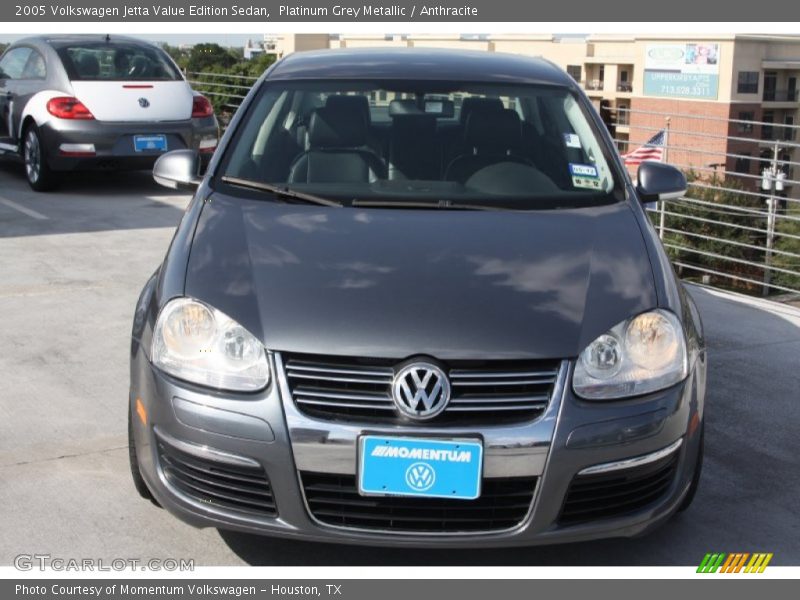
198 343
640 355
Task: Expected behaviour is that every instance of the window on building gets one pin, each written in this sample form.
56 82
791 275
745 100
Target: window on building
789 132
747 115
770 86
767 131
575 71
623 114
743 163
748 82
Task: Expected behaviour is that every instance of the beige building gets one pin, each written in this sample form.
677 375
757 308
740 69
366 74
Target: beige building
704 84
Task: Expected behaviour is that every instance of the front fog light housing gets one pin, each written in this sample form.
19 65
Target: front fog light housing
643 354
200 344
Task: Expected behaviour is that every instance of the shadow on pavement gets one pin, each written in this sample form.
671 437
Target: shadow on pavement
85 202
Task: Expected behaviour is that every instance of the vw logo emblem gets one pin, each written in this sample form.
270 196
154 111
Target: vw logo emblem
144 102
420 477
420 390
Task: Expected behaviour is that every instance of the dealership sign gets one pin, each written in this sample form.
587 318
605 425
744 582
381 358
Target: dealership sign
682 70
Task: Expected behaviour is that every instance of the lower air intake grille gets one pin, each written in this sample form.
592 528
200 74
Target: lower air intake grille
606 495
234 488
334 500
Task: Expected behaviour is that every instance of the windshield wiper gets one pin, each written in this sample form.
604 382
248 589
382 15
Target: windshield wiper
442 204
280 191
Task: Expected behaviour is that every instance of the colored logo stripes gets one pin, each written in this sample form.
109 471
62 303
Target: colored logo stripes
735 563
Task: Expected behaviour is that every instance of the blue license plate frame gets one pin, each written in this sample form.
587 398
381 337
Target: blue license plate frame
150 143
424 467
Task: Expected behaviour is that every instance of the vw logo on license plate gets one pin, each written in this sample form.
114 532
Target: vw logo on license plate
420 477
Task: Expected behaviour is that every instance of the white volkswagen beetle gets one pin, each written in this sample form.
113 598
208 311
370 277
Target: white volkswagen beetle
96 102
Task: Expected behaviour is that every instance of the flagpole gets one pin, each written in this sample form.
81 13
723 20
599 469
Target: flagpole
663 204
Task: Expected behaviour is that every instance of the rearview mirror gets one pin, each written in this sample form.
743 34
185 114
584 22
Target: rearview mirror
657 181
178 170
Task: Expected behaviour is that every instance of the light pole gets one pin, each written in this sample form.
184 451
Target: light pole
771 181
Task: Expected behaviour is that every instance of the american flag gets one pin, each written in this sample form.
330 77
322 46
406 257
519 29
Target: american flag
653 150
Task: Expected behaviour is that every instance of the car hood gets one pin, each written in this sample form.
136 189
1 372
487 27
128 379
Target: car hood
394 283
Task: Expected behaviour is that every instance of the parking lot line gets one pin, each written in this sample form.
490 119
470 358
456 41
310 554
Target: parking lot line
23 209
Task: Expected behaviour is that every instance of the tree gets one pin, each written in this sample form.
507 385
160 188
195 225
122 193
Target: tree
787 239
715 238
210 57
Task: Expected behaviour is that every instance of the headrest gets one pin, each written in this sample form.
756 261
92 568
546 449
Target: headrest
443 108
88 65
357 103
405 126
340 127
472 104
495 130
406 106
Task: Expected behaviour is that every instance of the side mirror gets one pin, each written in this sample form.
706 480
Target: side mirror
178 170
657 181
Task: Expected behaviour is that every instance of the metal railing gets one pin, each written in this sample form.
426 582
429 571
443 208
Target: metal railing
780 96
737 226
225 91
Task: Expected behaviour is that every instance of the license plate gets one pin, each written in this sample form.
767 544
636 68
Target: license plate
145 143
431 468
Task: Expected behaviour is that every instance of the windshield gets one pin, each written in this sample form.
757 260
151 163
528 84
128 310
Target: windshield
408 143
117 61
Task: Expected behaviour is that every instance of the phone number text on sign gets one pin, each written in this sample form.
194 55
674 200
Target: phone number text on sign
680 85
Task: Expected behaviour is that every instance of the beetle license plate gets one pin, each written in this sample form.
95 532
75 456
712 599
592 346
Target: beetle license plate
431 468
150 143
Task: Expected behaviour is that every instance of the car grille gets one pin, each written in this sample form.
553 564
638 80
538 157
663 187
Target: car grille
234 488
606 495
334 500
482 391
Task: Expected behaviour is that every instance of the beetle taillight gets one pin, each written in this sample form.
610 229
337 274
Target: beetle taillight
68 107
201 107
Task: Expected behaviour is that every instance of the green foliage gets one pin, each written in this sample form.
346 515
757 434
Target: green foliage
203 57
784 228
217 72
719 245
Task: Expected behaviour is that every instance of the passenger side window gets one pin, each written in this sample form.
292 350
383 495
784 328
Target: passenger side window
35 67
13 63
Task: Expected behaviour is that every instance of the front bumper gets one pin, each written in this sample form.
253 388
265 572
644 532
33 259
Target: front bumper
112 142
266 429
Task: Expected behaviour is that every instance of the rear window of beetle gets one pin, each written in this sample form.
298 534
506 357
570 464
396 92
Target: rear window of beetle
106 61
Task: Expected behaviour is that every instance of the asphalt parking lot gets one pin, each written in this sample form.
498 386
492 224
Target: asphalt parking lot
71 266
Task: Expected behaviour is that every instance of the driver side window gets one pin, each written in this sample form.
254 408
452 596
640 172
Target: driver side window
13 63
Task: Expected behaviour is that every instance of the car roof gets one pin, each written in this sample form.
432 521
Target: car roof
419 63
58 41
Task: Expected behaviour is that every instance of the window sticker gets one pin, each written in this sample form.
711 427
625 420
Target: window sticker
584 176
578 170
571 140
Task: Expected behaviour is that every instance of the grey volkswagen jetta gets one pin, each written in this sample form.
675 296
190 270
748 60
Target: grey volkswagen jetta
416 300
